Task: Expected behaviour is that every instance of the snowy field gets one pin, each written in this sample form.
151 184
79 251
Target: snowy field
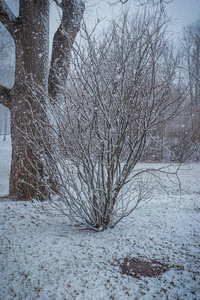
42 257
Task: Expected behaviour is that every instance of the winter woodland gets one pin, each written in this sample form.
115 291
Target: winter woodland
101 191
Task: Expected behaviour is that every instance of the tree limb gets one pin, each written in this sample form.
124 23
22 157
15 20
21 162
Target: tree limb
62 43
5 96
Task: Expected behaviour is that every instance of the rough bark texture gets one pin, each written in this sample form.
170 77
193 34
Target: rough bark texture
31 42
62 44
30 32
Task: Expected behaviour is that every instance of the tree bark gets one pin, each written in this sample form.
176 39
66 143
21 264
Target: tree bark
62 45
31 69
30 32
31 36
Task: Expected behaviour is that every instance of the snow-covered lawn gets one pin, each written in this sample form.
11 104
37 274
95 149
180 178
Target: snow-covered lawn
44 257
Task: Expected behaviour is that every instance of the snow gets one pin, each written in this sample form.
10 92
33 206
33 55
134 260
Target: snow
44 257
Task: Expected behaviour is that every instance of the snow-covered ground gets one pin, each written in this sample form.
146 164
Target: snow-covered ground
44 257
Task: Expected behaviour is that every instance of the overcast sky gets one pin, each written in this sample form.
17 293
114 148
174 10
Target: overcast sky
182 12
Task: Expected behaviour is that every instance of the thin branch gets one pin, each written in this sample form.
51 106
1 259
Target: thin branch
191 73
5 96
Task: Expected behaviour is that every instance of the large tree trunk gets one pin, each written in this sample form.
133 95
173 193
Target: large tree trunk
31 68
31 35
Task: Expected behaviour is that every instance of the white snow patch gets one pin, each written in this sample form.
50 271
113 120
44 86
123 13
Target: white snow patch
44 257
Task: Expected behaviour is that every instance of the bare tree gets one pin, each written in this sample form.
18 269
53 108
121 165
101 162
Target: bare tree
114 99
6 73
30 32
4 121
6 45
191 75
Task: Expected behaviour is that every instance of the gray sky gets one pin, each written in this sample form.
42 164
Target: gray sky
182 12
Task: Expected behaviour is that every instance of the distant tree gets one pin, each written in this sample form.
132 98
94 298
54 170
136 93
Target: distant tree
4 121
6 72
191 66
6 45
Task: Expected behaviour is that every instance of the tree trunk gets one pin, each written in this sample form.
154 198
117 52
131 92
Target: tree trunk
31 35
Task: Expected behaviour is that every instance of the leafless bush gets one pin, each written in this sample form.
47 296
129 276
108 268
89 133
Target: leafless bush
116 96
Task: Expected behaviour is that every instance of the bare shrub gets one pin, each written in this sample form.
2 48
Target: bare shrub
115 97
